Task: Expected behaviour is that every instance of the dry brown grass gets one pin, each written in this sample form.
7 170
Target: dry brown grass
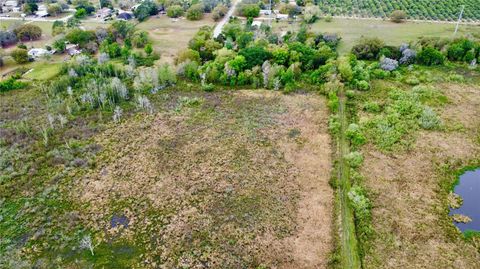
170 36
409 207
239 181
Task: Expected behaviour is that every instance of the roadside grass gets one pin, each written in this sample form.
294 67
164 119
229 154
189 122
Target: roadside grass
169 37
350 30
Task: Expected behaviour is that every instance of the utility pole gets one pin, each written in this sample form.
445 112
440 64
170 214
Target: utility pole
459 19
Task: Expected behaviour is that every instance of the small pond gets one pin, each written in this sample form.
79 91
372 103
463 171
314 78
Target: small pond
469 189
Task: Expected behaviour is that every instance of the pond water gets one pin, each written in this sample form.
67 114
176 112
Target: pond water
469 189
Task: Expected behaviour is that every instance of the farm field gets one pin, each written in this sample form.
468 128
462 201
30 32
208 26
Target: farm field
351 30
447 10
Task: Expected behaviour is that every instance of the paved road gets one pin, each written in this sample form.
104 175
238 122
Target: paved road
30 19
218 28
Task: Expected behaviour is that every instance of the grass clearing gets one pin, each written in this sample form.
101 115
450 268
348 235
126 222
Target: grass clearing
170 36
350 30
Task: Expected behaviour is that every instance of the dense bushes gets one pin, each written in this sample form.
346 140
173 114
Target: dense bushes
219 12
20 55
145 9
430 56
237 58
249 10
368 48
195 12
174 11
431 51
398 16
28 32
11 84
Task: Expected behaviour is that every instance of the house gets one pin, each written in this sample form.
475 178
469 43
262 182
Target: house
257 23
279 16
38 52
104 13
9 6
124 16
265 12
42 13
72 49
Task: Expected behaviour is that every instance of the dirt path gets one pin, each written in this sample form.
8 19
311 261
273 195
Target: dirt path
349 251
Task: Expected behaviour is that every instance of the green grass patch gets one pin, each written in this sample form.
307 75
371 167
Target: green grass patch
44 71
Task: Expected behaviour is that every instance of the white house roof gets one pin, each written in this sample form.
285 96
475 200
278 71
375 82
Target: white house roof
41 13
10 3
256 23
37 52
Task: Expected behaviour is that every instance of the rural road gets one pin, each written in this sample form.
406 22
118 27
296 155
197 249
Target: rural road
218 28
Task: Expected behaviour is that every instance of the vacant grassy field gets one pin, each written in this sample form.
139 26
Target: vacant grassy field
350 30
170 36
409 184
236 179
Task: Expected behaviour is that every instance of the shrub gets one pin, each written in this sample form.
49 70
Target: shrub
188 70
362 85
429 119
58 27
328 18
362 209
408 56
80 13
430 56
20 55
354 159
372 107
7 38
333 101
188 54
368 48
254 56
60 45
219 12
345 68
195 12
355 135
146 9
80 37
54 9
249 10
11 84
311 13
388 64
27 32
174 11
398 16
30 7
140 39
